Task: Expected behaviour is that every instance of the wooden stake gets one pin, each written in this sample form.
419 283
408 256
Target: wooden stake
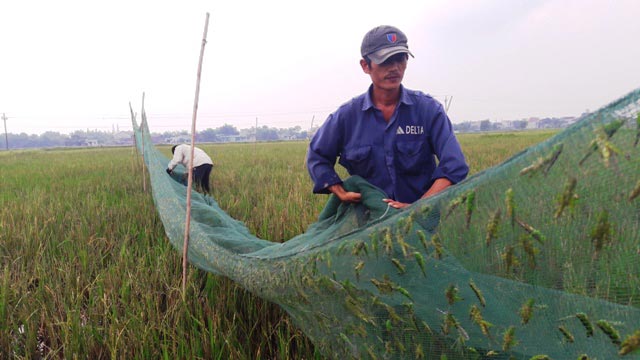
447 103
185 245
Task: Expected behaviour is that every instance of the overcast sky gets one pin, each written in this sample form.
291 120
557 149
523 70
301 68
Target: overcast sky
68 65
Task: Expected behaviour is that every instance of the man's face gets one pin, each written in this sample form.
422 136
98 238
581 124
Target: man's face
389 74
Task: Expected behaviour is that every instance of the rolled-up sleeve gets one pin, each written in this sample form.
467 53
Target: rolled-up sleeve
322 154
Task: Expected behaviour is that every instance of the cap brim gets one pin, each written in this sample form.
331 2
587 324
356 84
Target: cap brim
382 55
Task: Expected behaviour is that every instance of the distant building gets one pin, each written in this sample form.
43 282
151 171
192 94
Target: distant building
233 138
90 142
532 123
123 138
180 139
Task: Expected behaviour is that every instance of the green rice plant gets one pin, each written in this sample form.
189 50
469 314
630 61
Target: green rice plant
86 270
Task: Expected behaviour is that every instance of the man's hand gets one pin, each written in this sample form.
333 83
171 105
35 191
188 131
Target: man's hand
343 195
395 204
169 171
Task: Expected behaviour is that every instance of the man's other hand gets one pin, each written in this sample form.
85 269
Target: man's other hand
395 204
343 195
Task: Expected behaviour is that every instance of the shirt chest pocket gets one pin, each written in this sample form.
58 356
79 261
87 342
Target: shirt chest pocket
358 161
412 157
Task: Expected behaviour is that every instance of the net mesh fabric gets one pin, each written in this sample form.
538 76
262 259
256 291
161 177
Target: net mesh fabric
539 256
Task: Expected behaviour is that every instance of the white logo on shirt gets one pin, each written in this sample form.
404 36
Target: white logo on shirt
410 129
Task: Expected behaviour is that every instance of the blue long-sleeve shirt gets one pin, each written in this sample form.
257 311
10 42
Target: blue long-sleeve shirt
398 156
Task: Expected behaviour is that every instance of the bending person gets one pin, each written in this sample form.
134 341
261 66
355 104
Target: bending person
202 164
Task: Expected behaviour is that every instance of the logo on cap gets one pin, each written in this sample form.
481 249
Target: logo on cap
392 37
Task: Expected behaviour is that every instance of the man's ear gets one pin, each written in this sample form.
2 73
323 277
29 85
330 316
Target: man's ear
365 67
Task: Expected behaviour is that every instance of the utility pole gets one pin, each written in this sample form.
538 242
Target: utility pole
255 141
6 137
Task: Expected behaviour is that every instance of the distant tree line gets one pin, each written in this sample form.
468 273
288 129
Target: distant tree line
509 125
487 125
224 133
227 133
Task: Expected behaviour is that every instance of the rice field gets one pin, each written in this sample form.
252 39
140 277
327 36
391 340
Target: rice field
86 270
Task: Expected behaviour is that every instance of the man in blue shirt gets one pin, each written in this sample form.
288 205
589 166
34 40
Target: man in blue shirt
390 135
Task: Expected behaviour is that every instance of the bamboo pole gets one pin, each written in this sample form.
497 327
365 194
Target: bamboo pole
143 124
134 150
185 246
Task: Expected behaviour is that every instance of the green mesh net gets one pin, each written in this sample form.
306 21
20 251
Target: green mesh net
536 258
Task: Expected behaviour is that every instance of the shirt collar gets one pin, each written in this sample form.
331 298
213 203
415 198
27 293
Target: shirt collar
367 103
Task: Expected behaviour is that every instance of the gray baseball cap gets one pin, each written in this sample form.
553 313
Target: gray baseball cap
382 42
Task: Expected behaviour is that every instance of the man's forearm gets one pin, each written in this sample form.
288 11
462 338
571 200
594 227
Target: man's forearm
337 189
437 186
